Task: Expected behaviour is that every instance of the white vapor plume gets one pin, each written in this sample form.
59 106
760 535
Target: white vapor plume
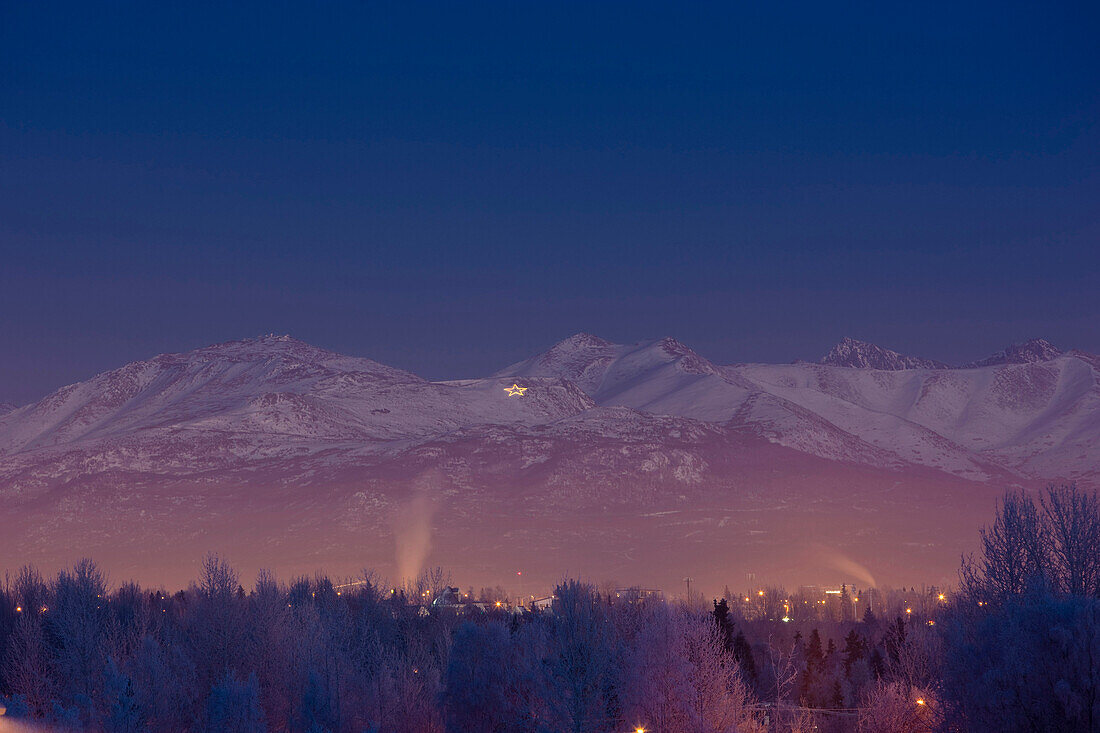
412 531
834 559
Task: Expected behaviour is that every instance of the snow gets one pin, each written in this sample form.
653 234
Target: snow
862 355
1027 352
274 398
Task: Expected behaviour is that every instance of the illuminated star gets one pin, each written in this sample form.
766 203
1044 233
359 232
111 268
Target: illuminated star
515 390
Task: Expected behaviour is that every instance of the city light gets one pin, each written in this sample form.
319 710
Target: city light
19 609
908 610
943 597
920 701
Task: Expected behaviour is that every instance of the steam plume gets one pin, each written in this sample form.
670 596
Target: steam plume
412 530
834 559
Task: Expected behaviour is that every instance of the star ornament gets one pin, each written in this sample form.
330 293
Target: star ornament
515 390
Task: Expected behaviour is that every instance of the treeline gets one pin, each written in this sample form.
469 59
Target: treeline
1017 647
310 657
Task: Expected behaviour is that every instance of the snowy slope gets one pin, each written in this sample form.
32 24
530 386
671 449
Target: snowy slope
274 385
258 399
1032 415
1028 352
276 397
665 377
1038 418
289 452
862 355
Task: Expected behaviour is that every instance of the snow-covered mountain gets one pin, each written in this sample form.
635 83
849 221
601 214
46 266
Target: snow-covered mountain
1031 419
284 450
273 388
1028 352
862 355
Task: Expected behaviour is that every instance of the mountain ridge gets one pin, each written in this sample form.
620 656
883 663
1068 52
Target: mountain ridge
856 354
274 386
651 434
1025 352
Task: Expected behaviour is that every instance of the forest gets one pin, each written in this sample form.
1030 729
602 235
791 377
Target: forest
1015 646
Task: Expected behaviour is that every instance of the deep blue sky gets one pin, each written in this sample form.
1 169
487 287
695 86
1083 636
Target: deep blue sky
448 188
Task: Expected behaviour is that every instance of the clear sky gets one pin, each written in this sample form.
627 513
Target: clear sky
449 187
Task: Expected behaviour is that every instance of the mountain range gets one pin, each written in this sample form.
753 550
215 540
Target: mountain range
644 462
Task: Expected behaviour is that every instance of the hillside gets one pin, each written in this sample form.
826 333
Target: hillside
648 457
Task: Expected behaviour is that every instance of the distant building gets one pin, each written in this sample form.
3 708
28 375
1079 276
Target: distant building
449 598
453 600
635 595
546 603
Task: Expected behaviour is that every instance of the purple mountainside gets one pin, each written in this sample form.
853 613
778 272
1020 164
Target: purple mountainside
1028 352
863 355
286 451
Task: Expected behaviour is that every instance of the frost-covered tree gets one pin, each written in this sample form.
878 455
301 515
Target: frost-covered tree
77 623
122 712
163 679
476 694
234 706
214 627
1071 530
678 675
580 661
28 671
1012 551
1051 541
1022 645
1033 663
896 707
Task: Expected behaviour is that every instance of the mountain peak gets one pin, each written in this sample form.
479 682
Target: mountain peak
1026 352
857 354
577 358
581 341
271 344
686 357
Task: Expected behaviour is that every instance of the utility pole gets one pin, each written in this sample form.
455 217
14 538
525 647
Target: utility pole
687 581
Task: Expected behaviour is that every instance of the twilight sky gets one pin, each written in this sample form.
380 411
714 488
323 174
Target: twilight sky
450 187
